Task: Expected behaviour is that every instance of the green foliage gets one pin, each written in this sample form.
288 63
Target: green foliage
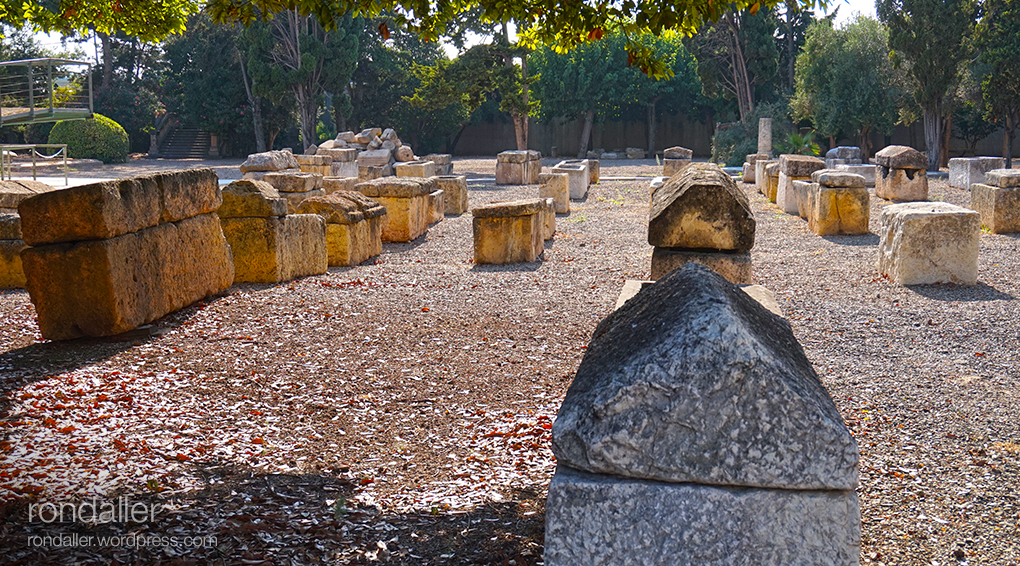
845 81
97 137
998 39
798 143
145 19
733 142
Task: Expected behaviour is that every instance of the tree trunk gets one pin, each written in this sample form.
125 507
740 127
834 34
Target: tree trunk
651 127
865 144
589 117
933 136
307 111
947 130
791 55
520 130
1010 133
107 61
742 80
256 109
272 137
451 145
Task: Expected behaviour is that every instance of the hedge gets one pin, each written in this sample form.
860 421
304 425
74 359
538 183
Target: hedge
97 137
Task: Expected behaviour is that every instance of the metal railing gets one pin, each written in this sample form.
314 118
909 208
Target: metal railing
44 90
7 156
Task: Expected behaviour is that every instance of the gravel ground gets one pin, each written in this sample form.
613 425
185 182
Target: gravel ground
399 411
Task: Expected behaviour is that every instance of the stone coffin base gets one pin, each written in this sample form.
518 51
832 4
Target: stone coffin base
735 267
921 243
509 232
834 210
352 244
902 185
606 520
522 173
406 217
437 206
278 248
557 187
106 287
455 189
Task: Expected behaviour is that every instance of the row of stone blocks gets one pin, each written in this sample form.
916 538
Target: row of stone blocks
695 431
512 232
12 193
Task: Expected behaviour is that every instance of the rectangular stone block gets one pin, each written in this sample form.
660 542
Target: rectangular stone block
557 187
334 184
747 173
294 200
736 267
375 158
866 171
443 161
1004 178
518 156
276 249
592 165
577 178
799 165
437 206
10 226
772 174
671 167
106 287
518 172
313 160
415 169
838 210
904 185
802 193
677 152
456 191
761 178
343 169
922 243
113 208
406 218
339 154
965 171
508 232
12 192
12 275
607 520
548 218
293 182
999 207
786 196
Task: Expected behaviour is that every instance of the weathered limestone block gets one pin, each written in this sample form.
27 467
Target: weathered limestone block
276 249
518 167
418 168
12 275
313 160
761 179
735 267
694 381
577 178
702 208
334 184
370 232
347 137
509 232
999 206
12 192
866 171
929 242
636 153
10 226
794 168
677 152
772 180
802 195
370 172
347 169
403 154
270 161
839 203
113 208
293 182
901 157
750 167
339 155
367 135
902 185
349 239
600 519
966 171
109 286
261 175
846 153
455 189
592 166
375 158
251 199
548 218
437 206
443 161
747 173
765 136
671 167
407 205
557 187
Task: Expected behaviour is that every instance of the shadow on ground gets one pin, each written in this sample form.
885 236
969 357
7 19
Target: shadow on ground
949 292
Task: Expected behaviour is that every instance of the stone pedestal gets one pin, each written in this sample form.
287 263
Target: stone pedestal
456 191
761 178
437 206
929 242
734 266
765 136
772 180
838 204
577 178
548 218
901 174
443 162
998 201
794 168
407 205
671 167
510 232
518 167
557 187
965 171
350 237
750 171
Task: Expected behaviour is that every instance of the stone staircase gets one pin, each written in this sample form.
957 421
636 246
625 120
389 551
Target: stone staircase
185 143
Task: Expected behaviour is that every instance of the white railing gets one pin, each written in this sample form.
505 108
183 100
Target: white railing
7 156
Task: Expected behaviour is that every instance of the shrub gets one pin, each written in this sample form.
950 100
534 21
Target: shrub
97 137
732 143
